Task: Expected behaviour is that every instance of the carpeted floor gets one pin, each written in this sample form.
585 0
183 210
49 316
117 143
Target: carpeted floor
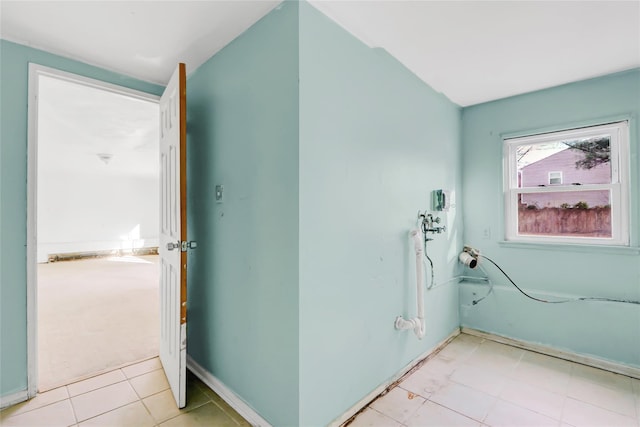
95 315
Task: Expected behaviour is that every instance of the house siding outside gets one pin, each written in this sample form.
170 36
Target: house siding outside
537 174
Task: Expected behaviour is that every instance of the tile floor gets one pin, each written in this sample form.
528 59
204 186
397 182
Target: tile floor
137 395
476 382
471 382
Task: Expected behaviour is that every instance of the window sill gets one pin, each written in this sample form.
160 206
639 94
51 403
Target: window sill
567 247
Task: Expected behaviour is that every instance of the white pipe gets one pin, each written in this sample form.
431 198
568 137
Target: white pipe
417 323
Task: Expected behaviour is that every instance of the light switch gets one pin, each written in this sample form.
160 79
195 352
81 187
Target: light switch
219 191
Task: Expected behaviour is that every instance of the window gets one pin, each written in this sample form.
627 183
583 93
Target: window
555 177
569 187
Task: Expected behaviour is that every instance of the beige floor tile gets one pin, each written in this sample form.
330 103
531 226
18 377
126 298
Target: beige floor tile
496 384
56 414
131 415
424 383
577 413
41 399
97 402
471 339
96 382
221 403
142 367
465 400
551 377
535 398
372 418
505 414
398 404
459 349
550 362
207 415
496 357
150 383
162 405
440 365
433 415
602 377
612 399
479 379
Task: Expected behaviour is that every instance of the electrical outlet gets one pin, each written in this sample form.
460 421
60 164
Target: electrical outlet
486 233
219 192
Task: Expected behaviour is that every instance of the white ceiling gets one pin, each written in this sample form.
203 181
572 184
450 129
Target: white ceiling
472 51
477 51
143 39
77 124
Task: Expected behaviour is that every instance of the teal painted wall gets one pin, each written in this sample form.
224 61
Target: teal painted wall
604 330
14 77
242 108
374 141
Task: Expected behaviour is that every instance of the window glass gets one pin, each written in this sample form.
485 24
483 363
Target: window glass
570 213
555 178
576 162
569 186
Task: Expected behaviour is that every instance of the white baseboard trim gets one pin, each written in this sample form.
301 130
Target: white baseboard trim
607 365
247 412
382 388
14 398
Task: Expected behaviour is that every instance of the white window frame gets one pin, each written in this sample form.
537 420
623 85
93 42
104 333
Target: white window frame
558 174
619 186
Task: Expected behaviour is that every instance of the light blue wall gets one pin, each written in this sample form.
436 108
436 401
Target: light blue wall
242 108
14 72
605 330
374 141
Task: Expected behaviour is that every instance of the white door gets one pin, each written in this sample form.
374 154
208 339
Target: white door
173 232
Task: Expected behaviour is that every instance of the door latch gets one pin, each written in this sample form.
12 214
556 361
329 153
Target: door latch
183 246
189 245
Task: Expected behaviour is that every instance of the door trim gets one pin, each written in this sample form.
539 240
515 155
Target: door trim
35 71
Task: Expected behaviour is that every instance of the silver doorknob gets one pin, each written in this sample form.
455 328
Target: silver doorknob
172 246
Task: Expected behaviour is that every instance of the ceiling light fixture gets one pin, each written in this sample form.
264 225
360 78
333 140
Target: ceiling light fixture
105 157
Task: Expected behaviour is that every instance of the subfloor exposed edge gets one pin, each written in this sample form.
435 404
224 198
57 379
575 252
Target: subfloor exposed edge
382 389
226 394
616 368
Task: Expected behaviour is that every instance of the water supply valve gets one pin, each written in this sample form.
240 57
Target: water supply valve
428 222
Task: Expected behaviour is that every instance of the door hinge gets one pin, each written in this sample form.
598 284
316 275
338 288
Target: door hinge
188 245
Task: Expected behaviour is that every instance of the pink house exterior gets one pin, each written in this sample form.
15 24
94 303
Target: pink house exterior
560 169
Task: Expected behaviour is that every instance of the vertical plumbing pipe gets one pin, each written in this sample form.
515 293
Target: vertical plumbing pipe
417 242
417 323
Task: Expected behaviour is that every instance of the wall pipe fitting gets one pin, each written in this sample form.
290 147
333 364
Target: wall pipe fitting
416 323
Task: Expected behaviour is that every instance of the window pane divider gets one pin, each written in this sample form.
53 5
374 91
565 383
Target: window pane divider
563 188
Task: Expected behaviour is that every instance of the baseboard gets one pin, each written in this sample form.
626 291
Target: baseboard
76 256
14 398
247 412
607 365
389 384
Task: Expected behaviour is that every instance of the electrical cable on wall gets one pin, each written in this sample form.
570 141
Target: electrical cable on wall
476 301
558 301
469 252
426 255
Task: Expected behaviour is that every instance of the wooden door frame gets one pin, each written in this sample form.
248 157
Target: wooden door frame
35 72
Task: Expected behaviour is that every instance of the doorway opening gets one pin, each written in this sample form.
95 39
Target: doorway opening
93 228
